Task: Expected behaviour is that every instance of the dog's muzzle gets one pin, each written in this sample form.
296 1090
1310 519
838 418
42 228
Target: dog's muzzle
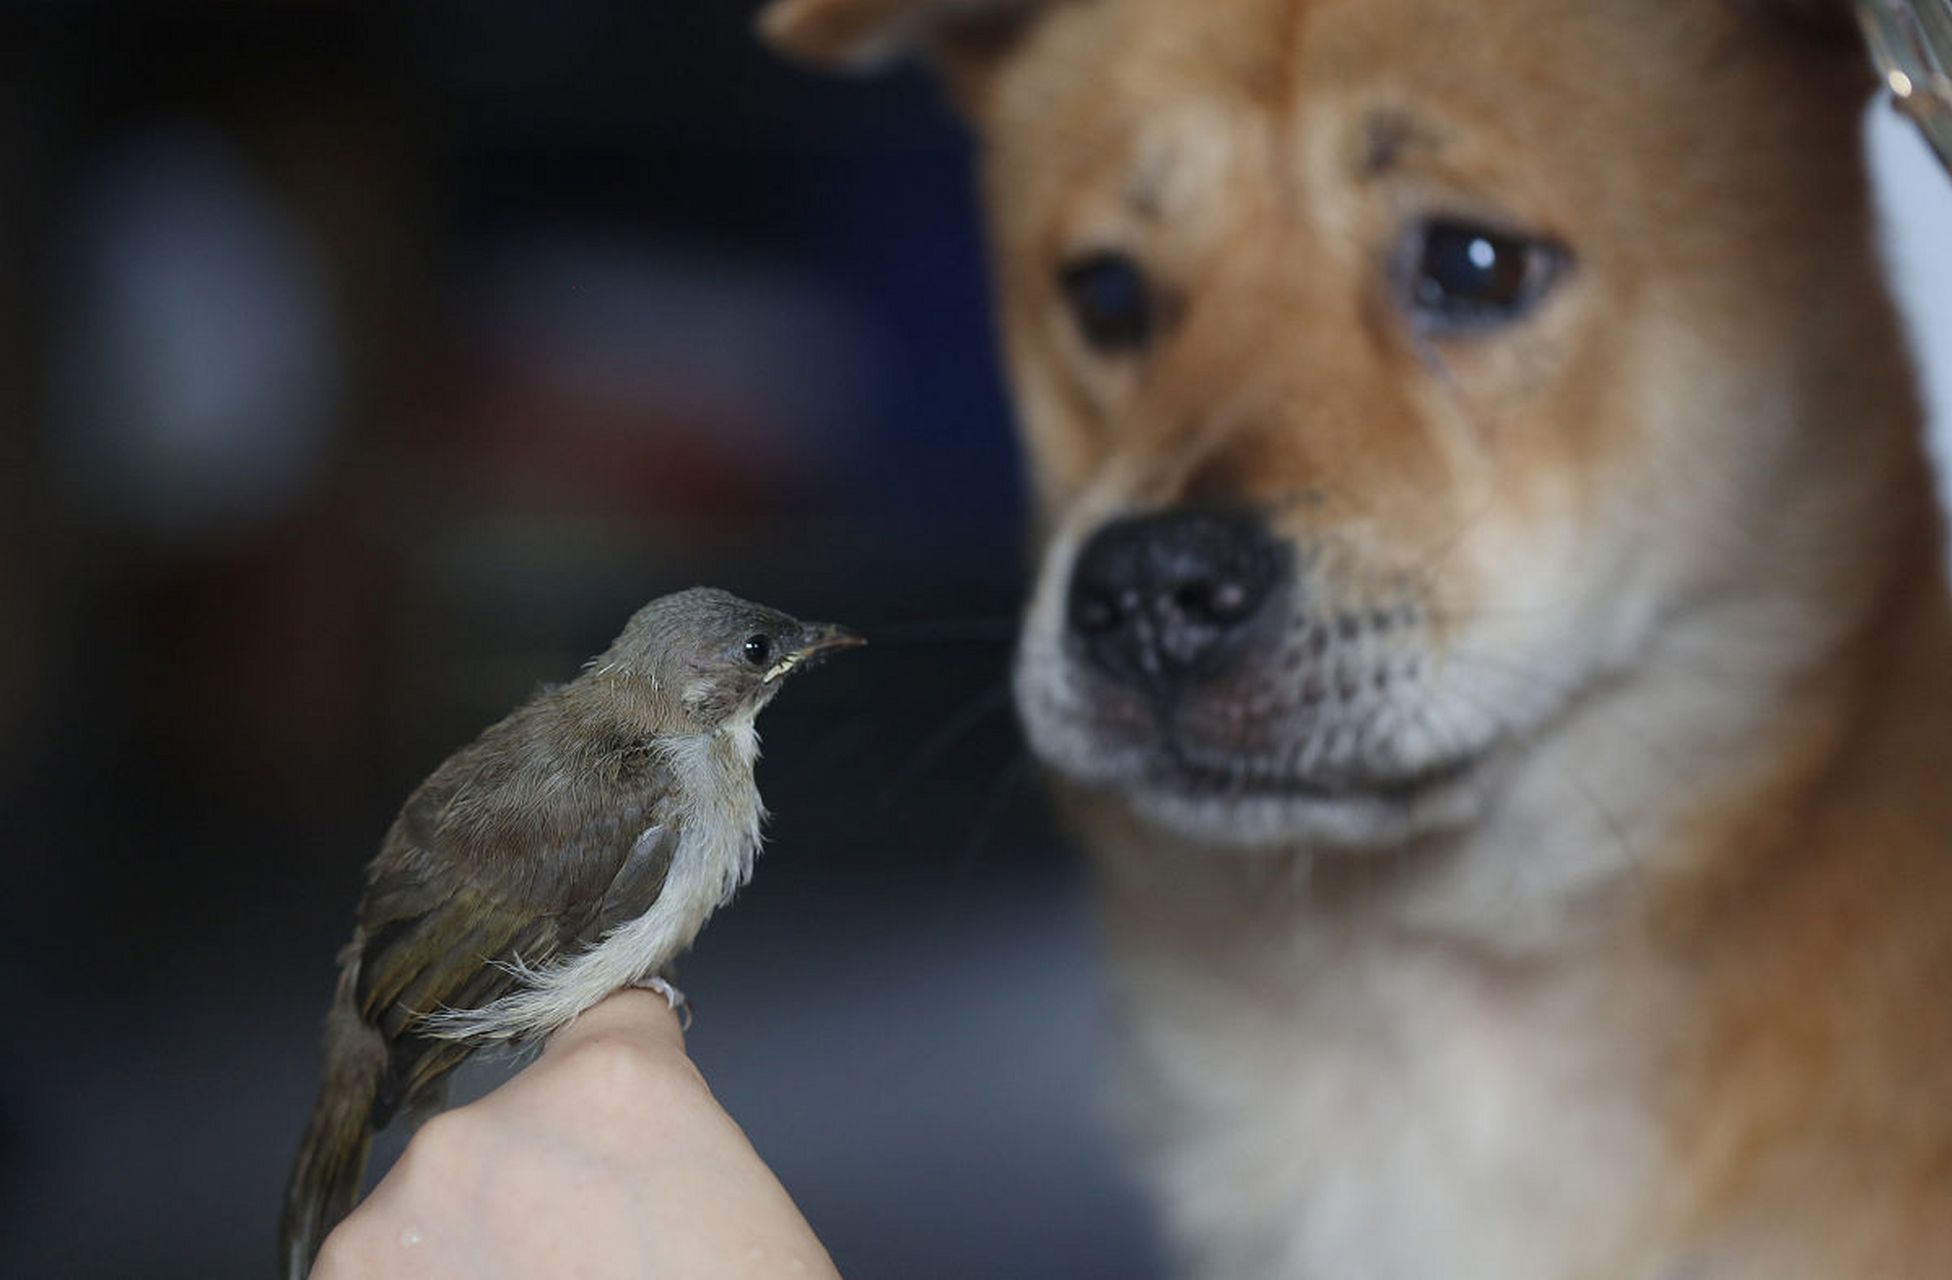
1243 687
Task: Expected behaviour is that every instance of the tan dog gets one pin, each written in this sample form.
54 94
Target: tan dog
1490 621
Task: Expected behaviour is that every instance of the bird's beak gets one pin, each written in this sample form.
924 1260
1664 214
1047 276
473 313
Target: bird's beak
817 640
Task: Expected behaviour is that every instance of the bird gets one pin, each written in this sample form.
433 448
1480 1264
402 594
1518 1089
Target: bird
574 848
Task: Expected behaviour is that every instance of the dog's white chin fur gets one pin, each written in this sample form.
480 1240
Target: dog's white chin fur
1262 823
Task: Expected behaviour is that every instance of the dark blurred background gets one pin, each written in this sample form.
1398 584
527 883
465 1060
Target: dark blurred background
361 367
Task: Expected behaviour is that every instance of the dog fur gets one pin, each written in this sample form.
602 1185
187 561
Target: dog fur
1593 916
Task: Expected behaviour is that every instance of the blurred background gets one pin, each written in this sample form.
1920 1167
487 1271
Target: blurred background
361 367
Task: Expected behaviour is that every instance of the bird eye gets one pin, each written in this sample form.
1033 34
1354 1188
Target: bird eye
1110 300
1466 276
757 650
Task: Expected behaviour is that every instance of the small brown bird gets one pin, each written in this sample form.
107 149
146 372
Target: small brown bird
574 848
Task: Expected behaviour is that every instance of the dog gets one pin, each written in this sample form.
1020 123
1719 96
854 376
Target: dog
1491 625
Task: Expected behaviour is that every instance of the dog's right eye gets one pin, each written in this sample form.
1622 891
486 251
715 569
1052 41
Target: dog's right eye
1467 277
1110 300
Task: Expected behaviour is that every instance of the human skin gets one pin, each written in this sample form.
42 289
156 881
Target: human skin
607 1157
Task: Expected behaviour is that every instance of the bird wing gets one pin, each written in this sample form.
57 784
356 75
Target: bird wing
444 927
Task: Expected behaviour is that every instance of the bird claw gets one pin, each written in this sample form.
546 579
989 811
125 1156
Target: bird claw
672 996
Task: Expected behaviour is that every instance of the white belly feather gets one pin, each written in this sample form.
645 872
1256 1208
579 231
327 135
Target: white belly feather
718 840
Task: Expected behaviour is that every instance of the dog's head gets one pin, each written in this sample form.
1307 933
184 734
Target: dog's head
1392 371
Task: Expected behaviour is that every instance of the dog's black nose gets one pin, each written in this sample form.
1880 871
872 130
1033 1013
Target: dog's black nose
1166 599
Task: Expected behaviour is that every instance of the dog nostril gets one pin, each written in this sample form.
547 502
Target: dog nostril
1220 602
1095 614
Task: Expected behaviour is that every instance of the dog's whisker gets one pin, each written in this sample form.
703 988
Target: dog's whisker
961 722
1638 735
1566 766
1565 689
1007 787
969 631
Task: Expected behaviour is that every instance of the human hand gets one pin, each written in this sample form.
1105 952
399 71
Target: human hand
606 1158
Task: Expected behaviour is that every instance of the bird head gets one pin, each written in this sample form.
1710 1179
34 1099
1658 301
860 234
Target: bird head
703 659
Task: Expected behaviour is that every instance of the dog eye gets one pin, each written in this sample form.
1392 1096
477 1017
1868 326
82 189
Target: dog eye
1110 300
1467 276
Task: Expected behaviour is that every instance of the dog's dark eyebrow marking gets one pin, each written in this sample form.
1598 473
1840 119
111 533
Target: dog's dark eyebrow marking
1387 134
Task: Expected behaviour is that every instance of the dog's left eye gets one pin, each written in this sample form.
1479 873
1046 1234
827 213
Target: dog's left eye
1467 276
1111 301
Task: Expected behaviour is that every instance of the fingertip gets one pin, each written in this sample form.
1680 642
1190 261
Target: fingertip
630 1014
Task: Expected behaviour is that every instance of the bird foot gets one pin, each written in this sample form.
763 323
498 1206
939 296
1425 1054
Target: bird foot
672 996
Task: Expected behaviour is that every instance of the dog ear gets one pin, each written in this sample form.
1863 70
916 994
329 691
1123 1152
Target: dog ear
962 37
844 35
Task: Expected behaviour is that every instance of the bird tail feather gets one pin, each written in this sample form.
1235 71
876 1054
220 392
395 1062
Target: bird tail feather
331 1164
